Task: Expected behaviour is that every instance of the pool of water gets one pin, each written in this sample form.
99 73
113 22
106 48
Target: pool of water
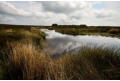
58 43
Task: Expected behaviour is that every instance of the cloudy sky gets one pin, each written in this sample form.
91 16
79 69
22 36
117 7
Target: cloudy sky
72 12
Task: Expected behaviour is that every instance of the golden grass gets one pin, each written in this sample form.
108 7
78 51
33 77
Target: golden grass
21 58
28 36
26 61
93 63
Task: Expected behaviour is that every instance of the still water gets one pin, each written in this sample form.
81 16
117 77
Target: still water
58 43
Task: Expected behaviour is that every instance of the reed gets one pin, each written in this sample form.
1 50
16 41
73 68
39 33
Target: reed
28 62
25 61
22 57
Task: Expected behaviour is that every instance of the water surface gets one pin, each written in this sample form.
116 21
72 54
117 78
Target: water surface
60 43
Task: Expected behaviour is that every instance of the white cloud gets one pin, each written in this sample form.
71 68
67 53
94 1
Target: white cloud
47 13
9 9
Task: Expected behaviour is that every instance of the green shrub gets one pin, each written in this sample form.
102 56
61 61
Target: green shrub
54 25
114 31
83 25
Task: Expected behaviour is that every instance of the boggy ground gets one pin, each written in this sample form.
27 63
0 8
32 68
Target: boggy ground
87 30
22 57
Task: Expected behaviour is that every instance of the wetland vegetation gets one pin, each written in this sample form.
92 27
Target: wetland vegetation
22 55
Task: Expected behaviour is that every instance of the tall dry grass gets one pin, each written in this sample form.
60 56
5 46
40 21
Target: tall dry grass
93 63
27 61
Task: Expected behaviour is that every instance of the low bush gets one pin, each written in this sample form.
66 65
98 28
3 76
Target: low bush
114 31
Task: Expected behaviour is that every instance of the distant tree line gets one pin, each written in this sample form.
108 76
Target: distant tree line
56 25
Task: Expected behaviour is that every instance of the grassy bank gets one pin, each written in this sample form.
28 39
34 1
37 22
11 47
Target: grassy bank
11 36
22 57
113 31
20 34
26 61
104 31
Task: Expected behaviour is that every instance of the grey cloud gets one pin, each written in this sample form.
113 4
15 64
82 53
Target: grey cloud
63 7
6 19
9 9
47 13
103 15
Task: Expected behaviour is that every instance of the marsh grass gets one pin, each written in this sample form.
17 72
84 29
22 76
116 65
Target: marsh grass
11 35
89 30
114 31
26 61
93 63
22 57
